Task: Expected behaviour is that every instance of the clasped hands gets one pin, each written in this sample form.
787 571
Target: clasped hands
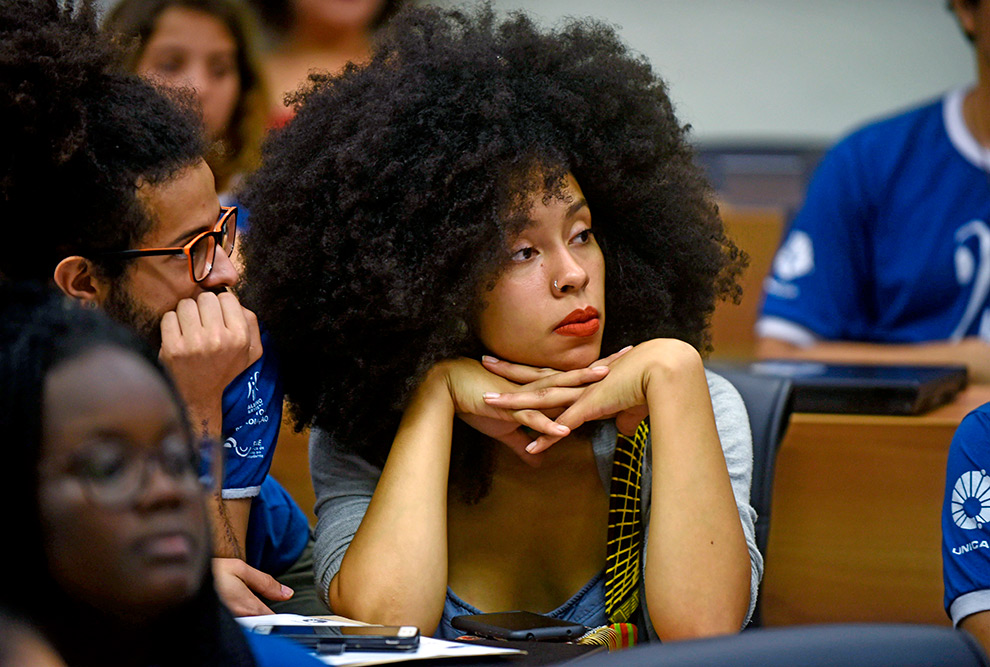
500 398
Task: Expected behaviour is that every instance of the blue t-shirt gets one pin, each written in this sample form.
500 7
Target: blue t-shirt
252 414
278 530
892 244
966 518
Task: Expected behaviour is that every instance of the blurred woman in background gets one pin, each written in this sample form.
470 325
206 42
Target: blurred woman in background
207 45
323 35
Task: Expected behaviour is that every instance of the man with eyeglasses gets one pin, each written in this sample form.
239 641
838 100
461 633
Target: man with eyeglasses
103 189
174 292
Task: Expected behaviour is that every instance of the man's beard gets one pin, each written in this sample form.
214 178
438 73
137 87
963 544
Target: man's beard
124 308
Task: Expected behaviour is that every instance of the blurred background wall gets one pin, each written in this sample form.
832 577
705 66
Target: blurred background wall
780 71
767 85
783 71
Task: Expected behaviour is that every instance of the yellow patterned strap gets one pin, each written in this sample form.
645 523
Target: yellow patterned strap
625 527
615 636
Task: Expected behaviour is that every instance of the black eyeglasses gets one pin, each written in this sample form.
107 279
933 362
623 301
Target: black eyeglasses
201 251
113 473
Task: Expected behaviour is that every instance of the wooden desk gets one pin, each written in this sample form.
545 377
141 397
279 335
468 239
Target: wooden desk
855 532
757 231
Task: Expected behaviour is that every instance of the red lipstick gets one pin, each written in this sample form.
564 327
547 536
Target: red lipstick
582 322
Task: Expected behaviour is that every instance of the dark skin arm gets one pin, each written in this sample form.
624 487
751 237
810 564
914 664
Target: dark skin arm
206 343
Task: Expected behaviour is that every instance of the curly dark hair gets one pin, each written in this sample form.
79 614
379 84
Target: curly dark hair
79 135
385 208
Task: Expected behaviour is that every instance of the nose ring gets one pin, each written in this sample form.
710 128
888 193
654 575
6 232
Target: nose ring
555 286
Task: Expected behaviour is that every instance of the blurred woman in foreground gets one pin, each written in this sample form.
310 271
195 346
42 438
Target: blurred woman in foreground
112 561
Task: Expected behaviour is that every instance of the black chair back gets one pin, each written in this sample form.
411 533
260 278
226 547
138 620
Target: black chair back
850 645
768 402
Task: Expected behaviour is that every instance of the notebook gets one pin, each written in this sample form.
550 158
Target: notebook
862 388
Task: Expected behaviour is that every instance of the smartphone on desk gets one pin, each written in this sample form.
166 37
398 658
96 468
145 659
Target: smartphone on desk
340 638
518 625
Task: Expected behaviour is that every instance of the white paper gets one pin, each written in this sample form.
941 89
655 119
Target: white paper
294 619
428 648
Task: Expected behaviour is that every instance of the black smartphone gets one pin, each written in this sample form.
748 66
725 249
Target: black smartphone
339 638
524 625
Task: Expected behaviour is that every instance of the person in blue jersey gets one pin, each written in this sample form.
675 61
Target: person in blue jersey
109 482
105 192
966 526
889 257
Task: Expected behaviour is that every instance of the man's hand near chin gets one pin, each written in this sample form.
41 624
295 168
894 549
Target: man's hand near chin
206 343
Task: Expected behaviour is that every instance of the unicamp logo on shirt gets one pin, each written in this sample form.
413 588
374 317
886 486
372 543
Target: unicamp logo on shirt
970 546
970 502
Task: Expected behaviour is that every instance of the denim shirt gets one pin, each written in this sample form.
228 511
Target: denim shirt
586 607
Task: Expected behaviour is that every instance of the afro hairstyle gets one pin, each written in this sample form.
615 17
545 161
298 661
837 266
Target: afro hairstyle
79 136
384 211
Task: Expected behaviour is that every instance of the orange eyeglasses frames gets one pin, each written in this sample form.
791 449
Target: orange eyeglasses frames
200 251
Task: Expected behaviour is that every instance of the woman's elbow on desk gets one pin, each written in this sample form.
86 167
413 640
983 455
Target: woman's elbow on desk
382 609
698 622
687 611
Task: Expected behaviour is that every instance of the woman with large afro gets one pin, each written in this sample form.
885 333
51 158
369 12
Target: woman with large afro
489 262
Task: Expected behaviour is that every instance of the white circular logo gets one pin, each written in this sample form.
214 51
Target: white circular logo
970 505
795 258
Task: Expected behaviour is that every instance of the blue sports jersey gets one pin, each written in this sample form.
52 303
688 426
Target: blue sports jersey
252 414
277 530
892 244
966 518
